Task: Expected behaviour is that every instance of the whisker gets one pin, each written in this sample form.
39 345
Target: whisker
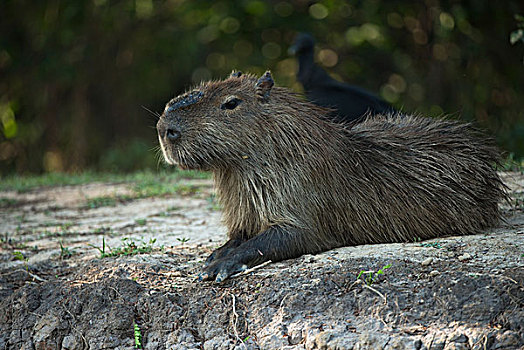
159 157
156 114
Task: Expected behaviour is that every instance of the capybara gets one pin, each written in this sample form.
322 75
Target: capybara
291 182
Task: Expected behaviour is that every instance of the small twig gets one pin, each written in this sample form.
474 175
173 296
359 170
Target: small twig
73 327
235 318
368 287
282 302
38 278
117 292
281 308
431 342
77 283
508 278
353 284
245 272
376 291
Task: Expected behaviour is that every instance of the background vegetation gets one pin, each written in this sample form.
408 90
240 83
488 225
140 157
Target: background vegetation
74 75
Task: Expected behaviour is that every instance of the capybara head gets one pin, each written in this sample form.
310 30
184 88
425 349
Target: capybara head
213 125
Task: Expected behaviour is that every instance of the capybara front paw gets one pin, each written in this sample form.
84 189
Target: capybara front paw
222 251
212 257
221 269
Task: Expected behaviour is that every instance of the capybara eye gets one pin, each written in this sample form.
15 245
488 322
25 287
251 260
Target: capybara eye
231 103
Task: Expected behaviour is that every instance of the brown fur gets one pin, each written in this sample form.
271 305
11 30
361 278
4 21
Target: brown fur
277 162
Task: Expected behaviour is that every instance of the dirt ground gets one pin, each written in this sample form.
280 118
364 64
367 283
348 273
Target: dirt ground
56 292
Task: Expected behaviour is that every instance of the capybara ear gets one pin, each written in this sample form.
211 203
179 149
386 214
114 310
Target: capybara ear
235 74
263 86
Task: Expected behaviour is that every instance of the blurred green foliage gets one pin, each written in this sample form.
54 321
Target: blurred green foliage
74 75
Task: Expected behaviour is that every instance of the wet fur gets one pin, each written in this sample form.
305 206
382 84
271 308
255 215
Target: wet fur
309 185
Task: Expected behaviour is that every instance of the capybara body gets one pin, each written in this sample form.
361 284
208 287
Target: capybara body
291 182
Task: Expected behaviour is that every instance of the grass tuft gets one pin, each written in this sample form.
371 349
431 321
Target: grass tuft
143 179
129 247
371 276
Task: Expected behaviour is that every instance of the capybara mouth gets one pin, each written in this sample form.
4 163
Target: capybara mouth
166 152
182 158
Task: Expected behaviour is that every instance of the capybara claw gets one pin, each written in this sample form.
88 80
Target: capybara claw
203 277
221 276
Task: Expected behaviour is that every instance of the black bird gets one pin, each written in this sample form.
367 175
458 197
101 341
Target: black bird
350 102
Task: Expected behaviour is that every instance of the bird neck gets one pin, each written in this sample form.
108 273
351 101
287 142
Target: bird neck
305 66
